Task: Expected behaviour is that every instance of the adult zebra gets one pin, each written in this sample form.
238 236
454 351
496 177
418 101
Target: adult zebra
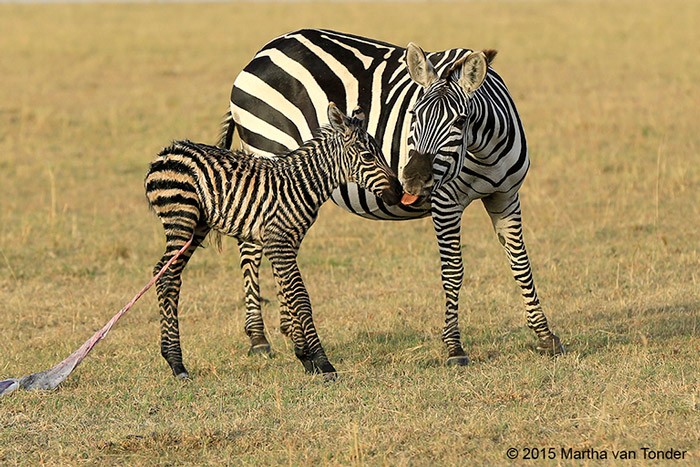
445 122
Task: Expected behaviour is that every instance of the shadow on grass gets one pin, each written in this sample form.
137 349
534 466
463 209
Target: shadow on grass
635 326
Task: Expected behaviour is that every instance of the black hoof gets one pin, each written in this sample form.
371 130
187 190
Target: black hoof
326 369
551 346
316 365
458 360
322 366
179 371
260 349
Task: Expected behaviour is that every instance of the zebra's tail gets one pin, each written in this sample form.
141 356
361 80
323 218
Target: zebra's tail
171 186
228 126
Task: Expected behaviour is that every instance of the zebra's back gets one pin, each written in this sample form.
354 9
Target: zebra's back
228 191
280 96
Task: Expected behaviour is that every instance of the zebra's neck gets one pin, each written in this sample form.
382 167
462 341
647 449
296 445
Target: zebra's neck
494 124
317 167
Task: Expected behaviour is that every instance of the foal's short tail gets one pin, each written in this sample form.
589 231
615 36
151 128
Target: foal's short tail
228 126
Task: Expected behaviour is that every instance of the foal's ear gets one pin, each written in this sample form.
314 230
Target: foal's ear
339 121
359 117
419 67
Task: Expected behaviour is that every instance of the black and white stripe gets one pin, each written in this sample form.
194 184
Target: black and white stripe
449 109
267 202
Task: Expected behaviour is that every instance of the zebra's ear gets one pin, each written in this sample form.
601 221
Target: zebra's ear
472 71
359 118
338 120
419 67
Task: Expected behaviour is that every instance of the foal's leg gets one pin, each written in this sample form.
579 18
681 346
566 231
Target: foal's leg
251 255
168 290
307 345
507 222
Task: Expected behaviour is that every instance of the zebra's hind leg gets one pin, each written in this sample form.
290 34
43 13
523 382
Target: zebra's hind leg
251 255
307 345
448 230
507 222
168 291
286 324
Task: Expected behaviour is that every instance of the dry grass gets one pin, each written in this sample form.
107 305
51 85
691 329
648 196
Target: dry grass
608 93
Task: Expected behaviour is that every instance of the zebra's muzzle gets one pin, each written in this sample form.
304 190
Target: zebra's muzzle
417 177
392 195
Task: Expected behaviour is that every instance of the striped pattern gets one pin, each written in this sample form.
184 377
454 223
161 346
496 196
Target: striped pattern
472 137
268 202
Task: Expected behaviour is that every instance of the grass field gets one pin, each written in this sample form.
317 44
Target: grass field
609 95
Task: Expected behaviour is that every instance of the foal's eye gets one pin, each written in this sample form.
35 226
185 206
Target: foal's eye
367 156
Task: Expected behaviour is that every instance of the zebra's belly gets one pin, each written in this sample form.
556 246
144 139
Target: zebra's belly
363 203
249 229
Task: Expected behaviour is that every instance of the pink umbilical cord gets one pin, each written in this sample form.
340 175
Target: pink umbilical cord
52 377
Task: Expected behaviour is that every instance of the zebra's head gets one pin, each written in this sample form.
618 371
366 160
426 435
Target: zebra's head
440 119
365 163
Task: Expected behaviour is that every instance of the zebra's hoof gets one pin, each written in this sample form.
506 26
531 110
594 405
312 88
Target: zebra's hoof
458 360
326 369
179 371
317 365
323 367
260 349
551 346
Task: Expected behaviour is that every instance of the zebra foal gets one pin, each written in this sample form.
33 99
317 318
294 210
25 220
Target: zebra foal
195 188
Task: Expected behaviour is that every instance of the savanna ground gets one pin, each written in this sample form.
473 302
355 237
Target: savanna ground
608 93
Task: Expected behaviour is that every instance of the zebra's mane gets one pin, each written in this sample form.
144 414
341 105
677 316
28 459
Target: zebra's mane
318 136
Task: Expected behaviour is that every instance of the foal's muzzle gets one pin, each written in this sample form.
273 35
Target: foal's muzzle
392 195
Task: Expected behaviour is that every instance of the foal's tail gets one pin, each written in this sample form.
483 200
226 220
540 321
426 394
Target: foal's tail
228 126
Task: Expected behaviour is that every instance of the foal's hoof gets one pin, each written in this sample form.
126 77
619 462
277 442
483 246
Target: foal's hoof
260 349
316 365
180 372
551 346
327 370
458 360
320 366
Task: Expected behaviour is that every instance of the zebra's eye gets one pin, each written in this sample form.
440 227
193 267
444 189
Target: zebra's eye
367 156
460 121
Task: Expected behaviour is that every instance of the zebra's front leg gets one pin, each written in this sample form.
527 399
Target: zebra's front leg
307 345
507 222
448 232
251 256
168 291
